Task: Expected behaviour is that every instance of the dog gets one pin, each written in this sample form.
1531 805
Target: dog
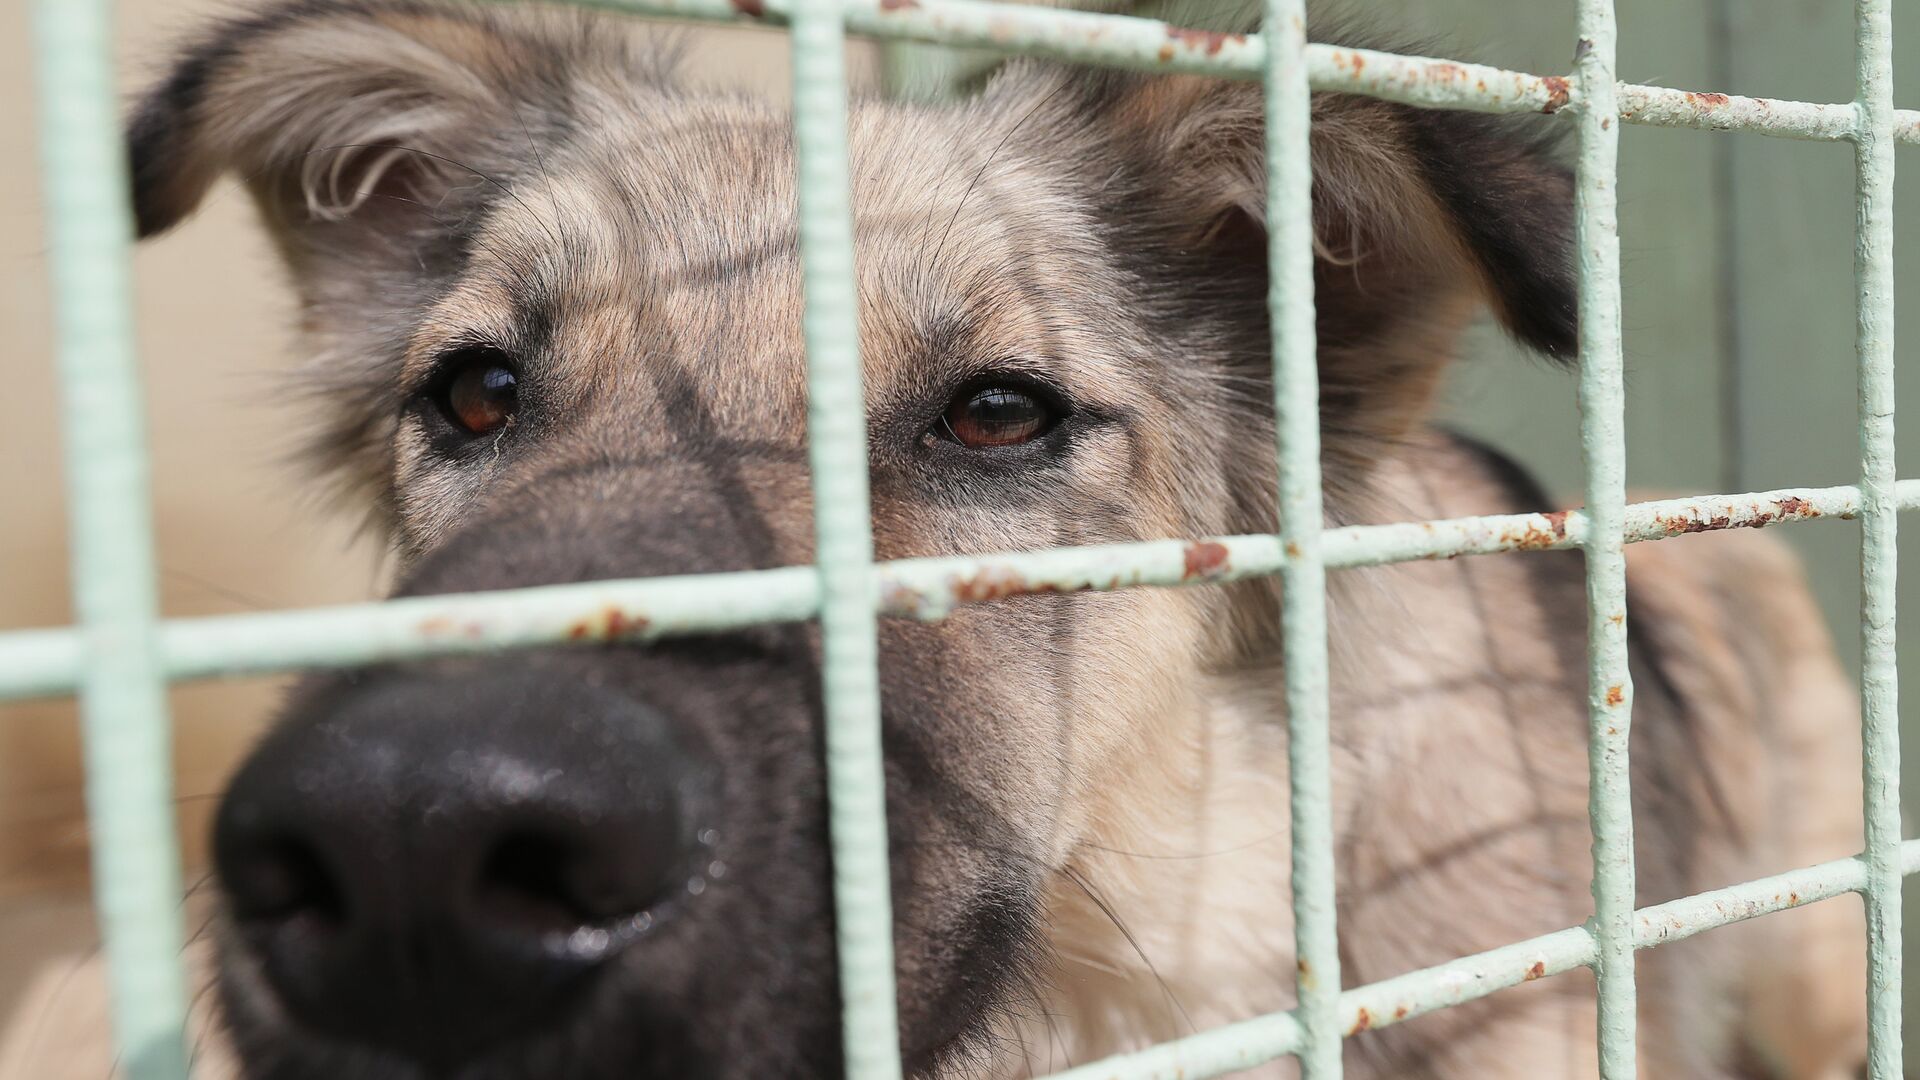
551 313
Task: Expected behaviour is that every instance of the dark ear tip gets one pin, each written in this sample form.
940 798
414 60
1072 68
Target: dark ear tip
165 184
1553 331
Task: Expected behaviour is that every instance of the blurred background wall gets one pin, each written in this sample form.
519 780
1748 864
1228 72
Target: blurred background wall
1739 347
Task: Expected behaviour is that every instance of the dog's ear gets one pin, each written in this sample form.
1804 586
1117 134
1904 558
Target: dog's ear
1420 218
362 121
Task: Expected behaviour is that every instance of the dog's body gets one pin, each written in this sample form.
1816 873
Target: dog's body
553 300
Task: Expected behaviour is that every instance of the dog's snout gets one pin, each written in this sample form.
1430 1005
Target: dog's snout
431 864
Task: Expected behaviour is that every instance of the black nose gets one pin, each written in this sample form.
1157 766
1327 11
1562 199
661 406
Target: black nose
435 864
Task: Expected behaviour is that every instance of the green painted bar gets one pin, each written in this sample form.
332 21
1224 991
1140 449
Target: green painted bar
120 657
43 663
1604 449
837 450
1242 1045
1303 595
1151 45
123 704
1879 520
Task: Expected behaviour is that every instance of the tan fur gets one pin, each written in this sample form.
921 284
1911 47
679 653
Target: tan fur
1129 745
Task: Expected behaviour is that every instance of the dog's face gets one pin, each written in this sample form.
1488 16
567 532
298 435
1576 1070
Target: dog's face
553 306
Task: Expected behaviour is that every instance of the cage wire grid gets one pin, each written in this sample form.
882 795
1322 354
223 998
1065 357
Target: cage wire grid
121 655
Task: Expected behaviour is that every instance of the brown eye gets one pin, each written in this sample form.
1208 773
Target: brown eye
998 416
482 393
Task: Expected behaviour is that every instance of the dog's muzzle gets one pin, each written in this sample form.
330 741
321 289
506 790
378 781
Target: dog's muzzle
589 861
442 863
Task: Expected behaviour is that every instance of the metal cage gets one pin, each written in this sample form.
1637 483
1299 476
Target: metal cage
121 656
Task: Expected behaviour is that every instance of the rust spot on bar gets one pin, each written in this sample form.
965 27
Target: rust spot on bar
1362 1022
1166 53
1793 898
1400 1013
994 583
1208 41
752 9
1537 971
1788 509
1204 559
1606 123
611 624
1708 101
899 5
1558 93
1615 695
1536 538
898 599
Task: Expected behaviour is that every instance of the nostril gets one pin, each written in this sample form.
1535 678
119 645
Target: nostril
281 879
543 882
526 881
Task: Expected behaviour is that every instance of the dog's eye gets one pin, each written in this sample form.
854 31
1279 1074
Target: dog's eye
999 415
481 392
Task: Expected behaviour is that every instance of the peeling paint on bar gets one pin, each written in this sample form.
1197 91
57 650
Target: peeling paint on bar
1242 1045
1087 37
1372 545
1288 99
1151 45
1879 522
41 663
1603 446
1420 80
1706 111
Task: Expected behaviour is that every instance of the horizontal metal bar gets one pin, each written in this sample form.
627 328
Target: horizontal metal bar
1248 1043
1151 45
1661 106
44 663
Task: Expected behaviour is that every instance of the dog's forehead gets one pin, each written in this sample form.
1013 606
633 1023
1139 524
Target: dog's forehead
669 240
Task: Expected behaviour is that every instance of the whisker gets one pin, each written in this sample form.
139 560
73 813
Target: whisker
933 263
1107 909
538 157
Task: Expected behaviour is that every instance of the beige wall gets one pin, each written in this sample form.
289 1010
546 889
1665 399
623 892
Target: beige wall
238 526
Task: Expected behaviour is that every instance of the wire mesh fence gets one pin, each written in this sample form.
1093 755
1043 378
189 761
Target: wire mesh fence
120 656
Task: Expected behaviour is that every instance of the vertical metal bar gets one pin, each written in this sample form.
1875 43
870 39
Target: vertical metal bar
1724 171
1873 268
1296 400
136 868
1603 442
837 448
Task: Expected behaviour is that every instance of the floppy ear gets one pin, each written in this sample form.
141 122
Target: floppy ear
1421 217
376 137
373 126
